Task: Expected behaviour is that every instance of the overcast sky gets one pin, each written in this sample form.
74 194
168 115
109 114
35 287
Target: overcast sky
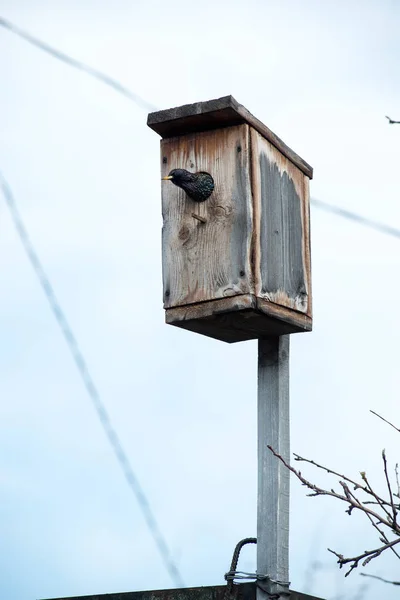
84 169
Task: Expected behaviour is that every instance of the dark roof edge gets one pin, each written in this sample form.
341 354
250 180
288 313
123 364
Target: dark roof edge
213 114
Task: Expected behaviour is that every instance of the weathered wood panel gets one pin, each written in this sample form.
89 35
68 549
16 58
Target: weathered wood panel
238 318
281 236
207 260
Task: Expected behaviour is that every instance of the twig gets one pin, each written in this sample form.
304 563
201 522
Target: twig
386 421
378 504
380 500
321 492
378 520
390 490
299 458
368 489
366 556
380 578
383 535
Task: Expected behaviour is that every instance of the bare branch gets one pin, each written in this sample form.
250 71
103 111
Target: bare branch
378 504
367 489
380 578
383 537
299 458
365 557
386 421
382 503
390 490
383 516
321 492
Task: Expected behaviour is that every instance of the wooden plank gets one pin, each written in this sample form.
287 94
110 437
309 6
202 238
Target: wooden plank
273 477
281 243
199 593
238 319
299 320
206 261
215 114
307 242
244 591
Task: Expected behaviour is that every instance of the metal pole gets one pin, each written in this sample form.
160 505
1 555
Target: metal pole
273 477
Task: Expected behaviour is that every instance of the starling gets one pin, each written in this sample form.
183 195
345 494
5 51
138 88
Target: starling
198 186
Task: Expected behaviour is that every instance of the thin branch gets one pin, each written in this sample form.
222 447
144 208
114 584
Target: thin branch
378 520
367 489
390 489
380 501
299 458
321 492
365 557
377 503
383 535
386 421
380 578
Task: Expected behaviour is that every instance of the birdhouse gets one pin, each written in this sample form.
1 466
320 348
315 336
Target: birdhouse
236 232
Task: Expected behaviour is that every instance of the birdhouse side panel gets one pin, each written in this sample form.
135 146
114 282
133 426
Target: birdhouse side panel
206 245
282 265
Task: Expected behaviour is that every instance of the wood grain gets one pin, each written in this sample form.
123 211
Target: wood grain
237 266
281 252
238 319
207 260
216 114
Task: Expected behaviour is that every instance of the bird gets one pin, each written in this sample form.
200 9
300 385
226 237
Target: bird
198 186
391 122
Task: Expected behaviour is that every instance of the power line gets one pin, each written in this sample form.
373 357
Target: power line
77 64
90 386
346 214
60 316
62 320
118 87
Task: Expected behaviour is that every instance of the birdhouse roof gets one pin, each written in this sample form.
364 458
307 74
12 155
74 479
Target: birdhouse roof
215 114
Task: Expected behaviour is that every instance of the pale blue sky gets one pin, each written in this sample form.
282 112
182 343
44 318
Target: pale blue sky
85 171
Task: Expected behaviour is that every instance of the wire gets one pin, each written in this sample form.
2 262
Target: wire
91 388
62 320
118 87
346 214
77 64
60 316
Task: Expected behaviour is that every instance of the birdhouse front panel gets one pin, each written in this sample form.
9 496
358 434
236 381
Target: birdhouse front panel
207 244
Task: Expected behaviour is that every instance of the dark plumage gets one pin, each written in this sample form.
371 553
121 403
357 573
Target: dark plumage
198 186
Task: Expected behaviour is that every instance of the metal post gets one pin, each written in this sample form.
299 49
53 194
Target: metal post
273 477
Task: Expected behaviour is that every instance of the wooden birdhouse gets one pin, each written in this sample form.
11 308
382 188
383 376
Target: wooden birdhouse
236 266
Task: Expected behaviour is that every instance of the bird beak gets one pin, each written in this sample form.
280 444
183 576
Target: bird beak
167 177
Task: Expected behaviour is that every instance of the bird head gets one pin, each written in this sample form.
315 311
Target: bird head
179 177
198 186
